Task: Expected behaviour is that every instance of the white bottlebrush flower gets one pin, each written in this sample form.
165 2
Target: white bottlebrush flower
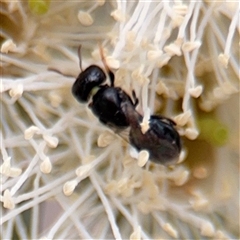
66 176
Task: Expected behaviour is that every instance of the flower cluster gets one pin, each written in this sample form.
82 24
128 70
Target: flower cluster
66 176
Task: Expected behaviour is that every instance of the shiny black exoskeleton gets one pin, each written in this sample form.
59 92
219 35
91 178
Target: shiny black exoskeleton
161 140
165 141
91 77
115 108
105 103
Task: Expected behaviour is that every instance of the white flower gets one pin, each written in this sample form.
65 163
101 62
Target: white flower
64 180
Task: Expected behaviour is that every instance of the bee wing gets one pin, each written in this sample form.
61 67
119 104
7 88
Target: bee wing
122 133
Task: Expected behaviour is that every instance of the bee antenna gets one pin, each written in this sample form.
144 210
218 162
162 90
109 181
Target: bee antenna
110 73
80 57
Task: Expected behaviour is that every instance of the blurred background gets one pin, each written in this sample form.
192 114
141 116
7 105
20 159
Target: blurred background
66 176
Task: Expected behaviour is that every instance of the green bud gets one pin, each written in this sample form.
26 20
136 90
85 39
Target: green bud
213 131
39 7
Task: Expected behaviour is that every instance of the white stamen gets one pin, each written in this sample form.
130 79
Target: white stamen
190 46
8 46
29 133
143 157
181 178
8 200
145 122
191 133
112 62
199 204
46 166
5 167
85 18
152 55
200 172
182 156
55 99
52 142
173 49
83 171
69 187
170 230
100 2
105 139
136 235
15 172
196 91
183 118
118 15
223 60
180 9
207 229
16 91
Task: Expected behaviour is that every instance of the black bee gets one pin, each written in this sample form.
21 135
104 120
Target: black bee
106 102
115 108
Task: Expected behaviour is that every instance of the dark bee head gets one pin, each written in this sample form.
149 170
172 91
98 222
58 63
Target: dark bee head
162 141
91 77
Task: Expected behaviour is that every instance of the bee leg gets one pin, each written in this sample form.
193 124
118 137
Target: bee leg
135 99
111 76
